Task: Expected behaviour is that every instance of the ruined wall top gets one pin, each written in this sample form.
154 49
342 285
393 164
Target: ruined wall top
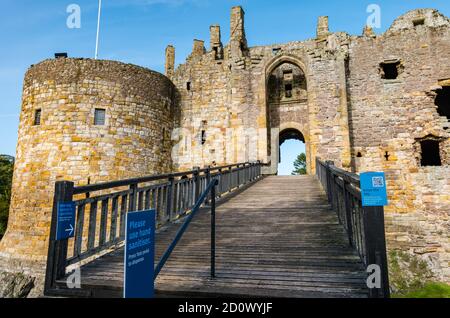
414 18
139 80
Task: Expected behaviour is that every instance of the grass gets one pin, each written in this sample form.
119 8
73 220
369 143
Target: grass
430 290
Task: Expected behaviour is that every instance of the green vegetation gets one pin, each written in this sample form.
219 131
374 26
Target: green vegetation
300 165
430 290
411 277
6 172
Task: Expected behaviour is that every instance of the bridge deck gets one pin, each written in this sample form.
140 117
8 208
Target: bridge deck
278 238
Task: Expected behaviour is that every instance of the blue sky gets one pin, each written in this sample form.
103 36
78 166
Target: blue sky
137 31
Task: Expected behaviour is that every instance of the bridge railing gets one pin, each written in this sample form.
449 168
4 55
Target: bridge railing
364 225
101 209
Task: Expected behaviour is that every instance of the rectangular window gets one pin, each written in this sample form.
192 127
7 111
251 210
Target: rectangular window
37 117
188 86
430 153
390 70
216 52
288 76
99 117
418 22
288 90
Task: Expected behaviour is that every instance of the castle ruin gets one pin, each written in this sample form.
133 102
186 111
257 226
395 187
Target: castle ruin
368 102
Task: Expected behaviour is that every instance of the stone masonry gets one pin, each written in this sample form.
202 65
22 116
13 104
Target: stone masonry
332 89
368 103
66 145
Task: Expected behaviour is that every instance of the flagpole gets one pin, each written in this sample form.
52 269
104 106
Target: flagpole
98 27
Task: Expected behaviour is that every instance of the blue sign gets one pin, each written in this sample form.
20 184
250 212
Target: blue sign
139 254
373 189
65 225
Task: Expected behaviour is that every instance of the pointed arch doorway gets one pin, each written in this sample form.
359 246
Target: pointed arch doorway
287 109
291 145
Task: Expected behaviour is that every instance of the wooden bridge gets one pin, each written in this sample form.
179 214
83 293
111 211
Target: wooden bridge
275 236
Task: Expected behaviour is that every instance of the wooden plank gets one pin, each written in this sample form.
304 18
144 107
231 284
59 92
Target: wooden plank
103 222
123 212
114 216
92 225
79 231
278 238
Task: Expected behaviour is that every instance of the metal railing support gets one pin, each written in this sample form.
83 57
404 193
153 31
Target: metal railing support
57 250
213 231
376 247
196 179
183 228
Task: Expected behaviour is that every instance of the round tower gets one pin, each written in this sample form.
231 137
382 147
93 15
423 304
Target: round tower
85 121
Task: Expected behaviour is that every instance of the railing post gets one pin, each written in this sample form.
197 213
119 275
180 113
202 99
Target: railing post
230 179
196 183
171 197
376 247
329 175
133 197
348 211
219 193
213 231
208 181
258 168
57 250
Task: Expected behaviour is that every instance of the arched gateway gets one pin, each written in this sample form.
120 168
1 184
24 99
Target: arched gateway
286 106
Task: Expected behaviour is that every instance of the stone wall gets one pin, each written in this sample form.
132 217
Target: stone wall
350 113
228 98
217 109
134 141
389 117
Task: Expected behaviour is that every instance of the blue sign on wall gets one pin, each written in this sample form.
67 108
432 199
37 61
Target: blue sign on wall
65 225
139 254
373 189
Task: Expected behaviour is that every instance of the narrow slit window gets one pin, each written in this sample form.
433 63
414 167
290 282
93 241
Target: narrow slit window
288 90
430 153
216 53
203 137
188 86
99 117
390 70
37 117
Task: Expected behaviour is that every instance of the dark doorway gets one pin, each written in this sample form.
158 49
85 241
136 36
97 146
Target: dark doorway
442 101
430 153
